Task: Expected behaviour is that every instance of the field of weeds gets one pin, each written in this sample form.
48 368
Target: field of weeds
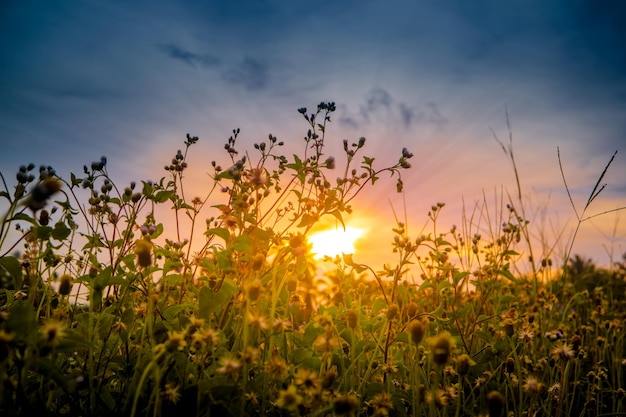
101 315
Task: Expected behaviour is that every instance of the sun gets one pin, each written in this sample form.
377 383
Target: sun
333 242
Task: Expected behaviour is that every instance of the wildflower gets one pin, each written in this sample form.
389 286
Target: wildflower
230 222
53 332
329 378
393 311
143 250
256 176
175 342
381 403
562 351
289 398
526 335
171 392
495 404
251 355
326 342
417 328
463 363
276 368
352 319
441 348
258 321
258 261
230 368
40 194
440 398
308 380
532 385
449 371
555 390
451 393
281 324
252 398
205 338
65 284
390 367
254 289
297 243
323 320
509 327
345 404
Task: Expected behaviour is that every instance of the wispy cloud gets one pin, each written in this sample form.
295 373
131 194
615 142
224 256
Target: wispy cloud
381 106
188 57
250 73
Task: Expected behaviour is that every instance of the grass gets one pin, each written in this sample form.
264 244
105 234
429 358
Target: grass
100 314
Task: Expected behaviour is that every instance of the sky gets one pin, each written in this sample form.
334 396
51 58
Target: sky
129 79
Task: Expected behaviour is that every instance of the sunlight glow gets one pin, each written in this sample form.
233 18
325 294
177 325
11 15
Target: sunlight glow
334 242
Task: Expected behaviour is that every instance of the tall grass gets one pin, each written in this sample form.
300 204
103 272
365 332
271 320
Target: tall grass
100 314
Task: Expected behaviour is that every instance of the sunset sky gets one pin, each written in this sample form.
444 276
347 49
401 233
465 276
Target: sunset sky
129 79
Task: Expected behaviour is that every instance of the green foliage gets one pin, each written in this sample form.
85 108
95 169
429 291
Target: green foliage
100 314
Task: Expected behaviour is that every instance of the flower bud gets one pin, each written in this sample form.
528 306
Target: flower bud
143 250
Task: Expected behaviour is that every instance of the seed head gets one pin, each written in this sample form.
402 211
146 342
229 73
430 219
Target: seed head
143 250
496 404
417 328
441 348
345 404
463 364
65 284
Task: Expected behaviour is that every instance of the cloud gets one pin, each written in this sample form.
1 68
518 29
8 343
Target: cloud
250 73
188 57
381 107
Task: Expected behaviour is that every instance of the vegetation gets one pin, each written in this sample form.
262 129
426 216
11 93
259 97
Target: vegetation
101 315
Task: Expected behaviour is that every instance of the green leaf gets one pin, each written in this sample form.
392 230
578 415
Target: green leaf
60 231
210 302
458 276
75 181
307 220
25 217
507 274
443 285
42 232
338 216
14 268
148 188
22 320
221 232
93 241
378 305
163 196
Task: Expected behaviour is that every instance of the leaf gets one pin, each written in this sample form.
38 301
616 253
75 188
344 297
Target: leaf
507 274
163 196
378 305
221 232
75 181
93 241
339 217
458 276
170 312
210 302
25 217
42 232
13 266
307 220
22 320
60 231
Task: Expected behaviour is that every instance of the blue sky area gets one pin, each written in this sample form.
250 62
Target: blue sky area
129 79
